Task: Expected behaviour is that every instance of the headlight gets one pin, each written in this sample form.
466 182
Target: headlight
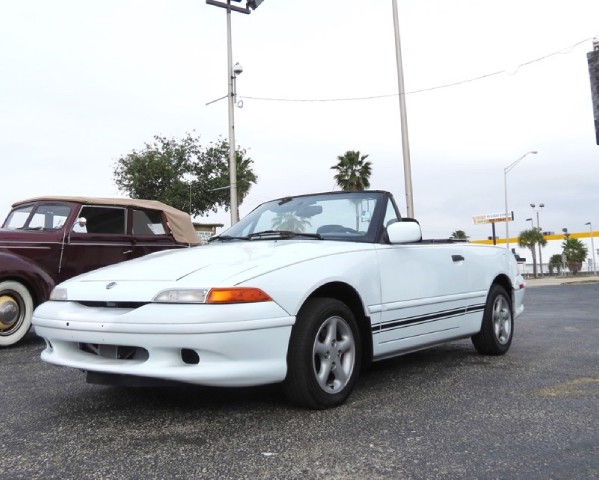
213 295
59 294
181 296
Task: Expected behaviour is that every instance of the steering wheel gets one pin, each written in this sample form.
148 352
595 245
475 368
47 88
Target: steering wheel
344 230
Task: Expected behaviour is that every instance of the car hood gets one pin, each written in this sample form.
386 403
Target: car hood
220 263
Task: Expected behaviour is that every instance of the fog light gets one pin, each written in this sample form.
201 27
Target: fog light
190 357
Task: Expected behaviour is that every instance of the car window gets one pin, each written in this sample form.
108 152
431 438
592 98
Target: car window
17 218
147 222
45 217
101 219
344 215
340 215
49 217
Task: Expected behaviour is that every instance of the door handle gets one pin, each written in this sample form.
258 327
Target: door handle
457 258
127 251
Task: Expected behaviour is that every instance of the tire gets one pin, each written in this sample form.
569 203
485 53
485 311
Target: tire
497 329
16 310
323 359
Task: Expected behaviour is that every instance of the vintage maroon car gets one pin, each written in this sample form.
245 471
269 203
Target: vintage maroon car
46 240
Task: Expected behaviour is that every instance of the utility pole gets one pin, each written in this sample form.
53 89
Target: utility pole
507 170
231 74
405 146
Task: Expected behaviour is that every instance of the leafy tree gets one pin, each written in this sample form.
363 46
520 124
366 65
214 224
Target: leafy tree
459 235
530 239
184 174
353 171
555 263
575 252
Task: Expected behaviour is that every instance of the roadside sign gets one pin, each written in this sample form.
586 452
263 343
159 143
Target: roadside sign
492 218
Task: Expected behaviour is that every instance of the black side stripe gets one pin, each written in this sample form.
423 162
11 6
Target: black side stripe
429 317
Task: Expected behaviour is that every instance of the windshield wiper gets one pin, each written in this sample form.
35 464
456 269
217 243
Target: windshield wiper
283 234
266 234
226 237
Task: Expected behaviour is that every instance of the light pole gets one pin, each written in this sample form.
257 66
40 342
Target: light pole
592 247
234 70
506 170
405 146
232 73
532 225
232 156
541 205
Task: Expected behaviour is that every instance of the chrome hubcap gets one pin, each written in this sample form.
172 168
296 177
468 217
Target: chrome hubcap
9 312
502 320
334 355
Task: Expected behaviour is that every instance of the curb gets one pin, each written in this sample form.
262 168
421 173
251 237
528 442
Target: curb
547 282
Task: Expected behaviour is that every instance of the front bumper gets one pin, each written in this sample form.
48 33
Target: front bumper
234 345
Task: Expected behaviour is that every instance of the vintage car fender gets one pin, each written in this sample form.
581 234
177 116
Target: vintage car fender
28 273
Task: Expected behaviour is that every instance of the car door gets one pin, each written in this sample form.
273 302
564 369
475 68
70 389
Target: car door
35 232
100 239
425 295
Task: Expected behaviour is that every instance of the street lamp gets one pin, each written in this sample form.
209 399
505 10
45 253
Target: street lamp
232 75
506 170
592 247
532 225
541 205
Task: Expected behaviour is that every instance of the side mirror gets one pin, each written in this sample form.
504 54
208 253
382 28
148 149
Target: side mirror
404 232
81 222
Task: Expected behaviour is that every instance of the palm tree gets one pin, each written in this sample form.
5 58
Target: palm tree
353 171
245 177
575 252
353 174
555 263
530 239
289 222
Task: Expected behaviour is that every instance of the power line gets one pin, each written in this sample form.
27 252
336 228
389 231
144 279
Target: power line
562 51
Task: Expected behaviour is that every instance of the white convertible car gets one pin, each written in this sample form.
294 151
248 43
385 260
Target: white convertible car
305 291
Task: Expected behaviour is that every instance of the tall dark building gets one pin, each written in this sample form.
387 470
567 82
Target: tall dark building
593 58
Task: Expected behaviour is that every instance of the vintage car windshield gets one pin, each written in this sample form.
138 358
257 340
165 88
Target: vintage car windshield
340 216
37 217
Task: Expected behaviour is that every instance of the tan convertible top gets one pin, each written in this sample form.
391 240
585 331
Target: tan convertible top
178 221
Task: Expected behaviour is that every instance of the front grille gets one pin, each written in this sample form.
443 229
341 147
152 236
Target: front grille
117 352
127 305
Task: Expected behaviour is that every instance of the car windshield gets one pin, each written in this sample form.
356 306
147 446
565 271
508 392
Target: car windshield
339 215
37 217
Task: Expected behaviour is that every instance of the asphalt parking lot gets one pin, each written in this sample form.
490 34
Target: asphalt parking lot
441 413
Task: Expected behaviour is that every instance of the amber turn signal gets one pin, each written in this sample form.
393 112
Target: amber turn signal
237 295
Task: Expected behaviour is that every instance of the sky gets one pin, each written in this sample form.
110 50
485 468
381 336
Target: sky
86 82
